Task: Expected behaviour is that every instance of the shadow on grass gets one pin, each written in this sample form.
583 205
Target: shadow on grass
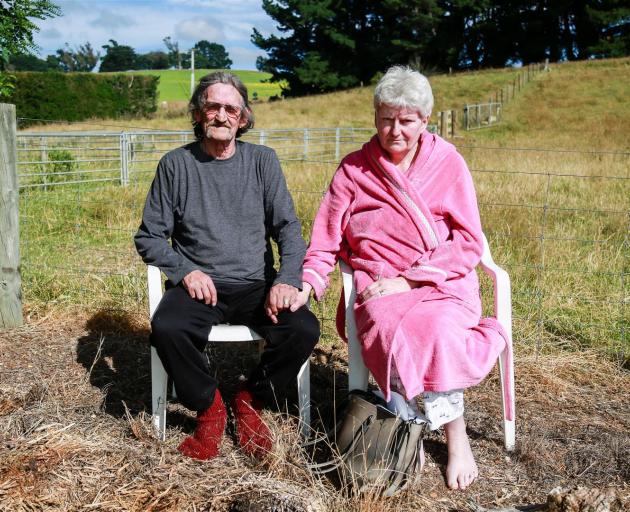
115 353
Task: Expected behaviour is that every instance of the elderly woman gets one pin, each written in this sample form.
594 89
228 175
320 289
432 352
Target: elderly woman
402 213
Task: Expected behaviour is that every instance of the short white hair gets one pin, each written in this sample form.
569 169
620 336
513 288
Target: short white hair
402 87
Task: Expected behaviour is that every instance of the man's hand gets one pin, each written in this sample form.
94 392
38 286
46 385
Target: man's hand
302 297
280 297
200 287
387 287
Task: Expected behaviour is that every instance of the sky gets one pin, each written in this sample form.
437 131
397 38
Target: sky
143 24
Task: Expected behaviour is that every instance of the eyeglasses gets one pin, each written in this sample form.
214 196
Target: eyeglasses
211 109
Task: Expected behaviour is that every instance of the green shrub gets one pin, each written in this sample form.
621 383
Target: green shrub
60 167
79 96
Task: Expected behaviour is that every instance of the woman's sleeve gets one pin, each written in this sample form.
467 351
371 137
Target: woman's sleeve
328 228
461 252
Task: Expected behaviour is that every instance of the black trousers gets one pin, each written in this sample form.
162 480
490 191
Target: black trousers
180 328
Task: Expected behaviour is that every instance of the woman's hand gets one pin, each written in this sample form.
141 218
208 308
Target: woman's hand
279 298
302 297
387 287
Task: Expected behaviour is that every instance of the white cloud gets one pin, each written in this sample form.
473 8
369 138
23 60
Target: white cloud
50 33
197 29
243 58
109 20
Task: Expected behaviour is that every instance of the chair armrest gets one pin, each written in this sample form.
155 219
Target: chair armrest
502 289
154 285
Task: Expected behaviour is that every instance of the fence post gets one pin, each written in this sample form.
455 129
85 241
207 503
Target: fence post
337 143
478 115
261 137
124 169
466 117
453 122
44 167
305 152
43 147
10 282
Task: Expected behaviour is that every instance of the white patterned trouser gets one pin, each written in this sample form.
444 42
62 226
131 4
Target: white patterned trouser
440 407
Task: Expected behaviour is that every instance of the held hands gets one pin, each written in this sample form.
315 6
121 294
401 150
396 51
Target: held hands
387 287
280 298
302 297
200 287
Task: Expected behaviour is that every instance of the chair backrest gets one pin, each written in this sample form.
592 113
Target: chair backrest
502 289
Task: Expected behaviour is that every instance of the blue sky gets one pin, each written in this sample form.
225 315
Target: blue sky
142 24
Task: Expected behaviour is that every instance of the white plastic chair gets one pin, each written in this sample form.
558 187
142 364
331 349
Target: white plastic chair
358 373
222 333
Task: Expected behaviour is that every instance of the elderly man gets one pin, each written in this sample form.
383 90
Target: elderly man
220 200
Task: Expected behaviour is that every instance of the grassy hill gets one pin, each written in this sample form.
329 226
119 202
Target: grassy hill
574 104
175 84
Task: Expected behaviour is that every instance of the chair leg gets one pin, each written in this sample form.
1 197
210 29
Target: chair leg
159 381
304 397
506 369
358 373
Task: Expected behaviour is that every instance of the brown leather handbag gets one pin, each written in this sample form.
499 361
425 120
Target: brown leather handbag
374 451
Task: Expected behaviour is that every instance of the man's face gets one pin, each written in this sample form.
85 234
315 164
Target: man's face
222 115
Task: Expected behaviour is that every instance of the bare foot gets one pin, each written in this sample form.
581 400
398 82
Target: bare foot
461 469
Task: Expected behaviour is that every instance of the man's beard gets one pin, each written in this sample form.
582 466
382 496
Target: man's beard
214 124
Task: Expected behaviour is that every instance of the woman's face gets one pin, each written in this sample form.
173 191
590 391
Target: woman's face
399 129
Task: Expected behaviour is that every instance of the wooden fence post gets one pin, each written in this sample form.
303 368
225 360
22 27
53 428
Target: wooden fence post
10 284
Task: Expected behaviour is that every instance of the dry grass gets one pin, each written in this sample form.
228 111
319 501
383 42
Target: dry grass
577 105
75 432
345 108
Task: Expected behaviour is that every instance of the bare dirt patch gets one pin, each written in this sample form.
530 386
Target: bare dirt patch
75 431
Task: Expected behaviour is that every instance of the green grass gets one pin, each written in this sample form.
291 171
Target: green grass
175 84
557 221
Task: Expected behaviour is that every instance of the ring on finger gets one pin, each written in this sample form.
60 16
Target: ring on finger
285 302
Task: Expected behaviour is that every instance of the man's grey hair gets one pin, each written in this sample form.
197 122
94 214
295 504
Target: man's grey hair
198 100
402 87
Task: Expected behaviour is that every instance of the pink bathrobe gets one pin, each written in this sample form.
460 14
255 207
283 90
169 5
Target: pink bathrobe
423 225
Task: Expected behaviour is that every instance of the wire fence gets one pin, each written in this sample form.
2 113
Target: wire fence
557 221
52 159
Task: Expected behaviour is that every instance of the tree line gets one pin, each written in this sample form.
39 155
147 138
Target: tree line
120 57
333 44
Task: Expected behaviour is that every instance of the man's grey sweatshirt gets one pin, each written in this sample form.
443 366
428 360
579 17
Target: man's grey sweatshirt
220 215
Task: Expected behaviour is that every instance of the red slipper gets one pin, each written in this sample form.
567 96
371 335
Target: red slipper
253 435
204 443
